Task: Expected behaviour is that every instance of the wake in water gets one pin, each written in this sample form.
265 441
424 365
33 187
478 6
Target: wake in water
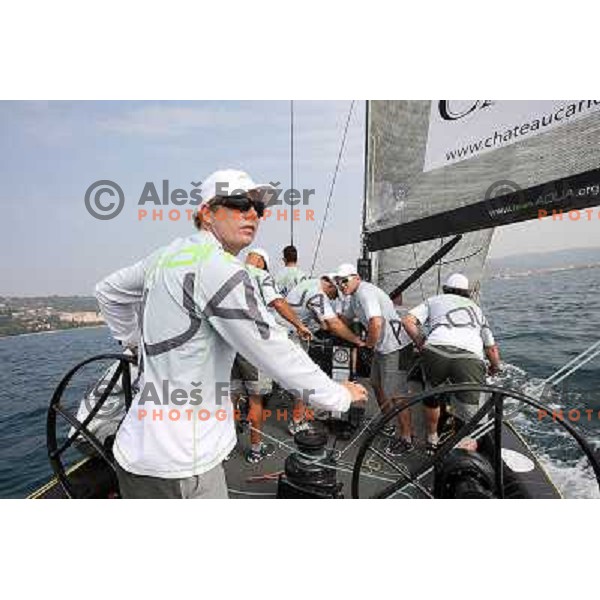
559 454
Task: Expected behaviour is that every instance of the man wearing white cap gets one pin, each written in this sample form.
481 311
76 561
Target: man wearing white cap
245 377
453 352
392 348
199 306
312 300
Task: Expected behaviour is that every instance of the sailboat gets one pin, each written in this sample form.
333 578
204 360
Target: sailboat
439 177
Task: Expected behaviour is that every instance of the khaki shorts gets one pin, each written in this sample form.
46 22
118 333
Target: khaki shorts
247 379
209 485
387 374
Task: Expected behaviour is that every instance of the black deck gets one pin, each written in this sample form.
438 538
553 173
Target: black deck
93 479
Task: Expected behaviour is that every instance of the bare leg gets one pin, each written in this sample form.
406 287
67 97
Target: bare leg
255 416
404 420
382 401
432 417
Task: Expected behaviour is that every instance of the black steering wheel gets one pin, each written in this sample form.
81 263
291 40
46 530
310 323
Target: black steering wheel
81 428
494 404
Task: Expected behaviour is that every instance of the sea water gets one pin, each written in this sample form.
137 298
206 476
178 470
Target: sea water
541 321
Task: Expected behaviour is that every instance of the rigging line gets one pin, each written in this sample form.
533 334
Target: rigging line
416 267
448 262
593 348
483 428
337 167
461 258
439 274
292 167
576 367
356 437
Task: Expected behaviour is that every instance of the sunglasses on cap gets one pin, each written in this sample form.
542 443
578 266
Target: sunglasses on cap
241 203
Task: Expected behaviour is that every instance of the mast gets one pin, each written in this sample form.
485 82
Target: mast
364 250
292 168
364 262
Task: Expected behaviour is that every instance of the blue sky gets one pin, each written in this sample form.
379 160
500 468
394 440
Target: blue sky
50 152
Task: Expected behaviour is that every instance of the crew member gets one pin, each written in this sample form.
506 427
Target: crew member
291 275
245 377
199 308
311 299
453 352
392 348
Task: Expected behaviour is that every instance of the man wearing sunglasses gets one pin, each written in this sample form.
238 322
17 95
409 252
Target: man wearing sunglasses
312 300
391 345
199 306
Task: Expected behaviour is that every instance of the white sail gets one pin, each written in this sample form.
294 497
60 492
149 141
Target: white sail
397 135
440 168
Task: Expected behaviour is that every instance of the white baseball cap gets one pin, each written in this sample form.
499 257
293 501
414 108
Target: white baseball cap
457 281
262 253
346 270
229 182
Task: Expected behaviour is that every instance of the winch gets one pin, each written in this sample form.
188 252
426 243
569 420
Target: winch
464 474
309 472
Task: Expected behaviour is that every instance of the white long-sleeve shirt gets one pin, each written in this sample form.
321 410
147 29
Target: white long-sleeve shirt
198 308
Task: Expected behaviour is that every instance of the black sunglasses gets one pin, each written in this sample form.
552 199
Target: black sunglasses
241 203
345 280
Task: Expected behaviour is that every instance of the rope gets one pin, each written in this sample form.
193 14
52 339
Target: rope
337 167
242 493
565 371
439 273
416 267
318 461
576 363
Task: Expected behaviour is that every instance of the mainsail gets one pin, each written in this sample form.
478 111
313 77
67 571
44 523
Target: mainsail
440 168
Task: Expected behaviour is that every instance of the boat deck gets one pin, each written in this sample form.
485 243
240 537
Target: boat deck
91 478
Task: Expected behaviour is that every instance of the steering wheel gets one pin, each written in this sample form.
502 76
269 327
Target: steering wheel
494 404
81 428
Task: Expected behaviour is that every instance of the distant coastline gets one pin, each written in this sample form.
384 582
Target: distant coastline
47 331
45 314
513 274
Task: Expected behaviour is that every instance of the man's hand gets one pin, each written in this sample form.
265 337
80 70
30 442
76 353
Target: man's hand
493 369
357 391
304 332
412 328
493 355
